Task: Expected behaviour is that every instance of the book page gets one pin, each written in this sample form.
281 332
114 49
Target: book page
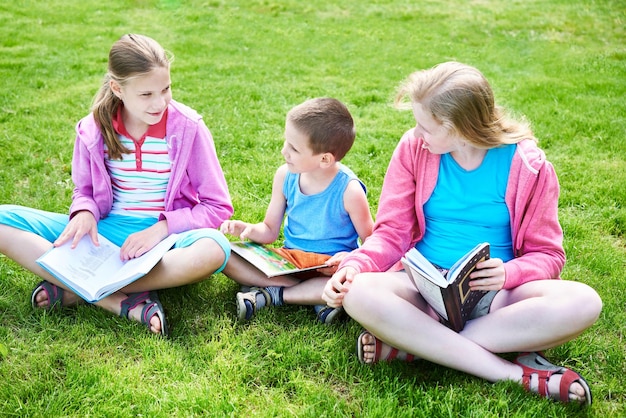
479 253
83 264
92 271
269 262
425 267
429 290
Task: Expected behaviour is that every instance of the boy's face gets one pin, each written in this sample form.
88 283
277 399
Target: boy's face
297 151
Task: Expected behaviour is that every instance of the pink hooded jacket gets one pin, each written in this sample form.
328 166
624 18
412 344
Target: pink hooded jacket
197 195
531 197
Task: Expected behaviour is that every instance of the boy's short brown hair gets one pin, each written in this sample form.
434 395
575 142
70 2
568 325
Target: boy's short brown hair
328 124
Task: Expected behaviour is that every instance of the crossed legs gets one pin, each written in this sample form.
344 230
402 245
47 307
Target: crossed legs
532 317
178 267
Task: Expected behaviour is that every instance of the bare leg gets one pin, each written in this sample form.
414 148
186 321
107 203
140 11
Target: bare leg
391 309
566 309
246 274
25 248
307 292
178 267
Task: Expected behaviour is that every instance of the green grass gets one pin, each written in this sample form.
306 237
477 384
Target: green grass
243 65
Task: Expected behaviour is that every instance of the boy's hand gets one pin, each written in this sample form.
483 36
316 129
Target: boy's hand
332 263
337 286
83 222
141 242
489 275
236 228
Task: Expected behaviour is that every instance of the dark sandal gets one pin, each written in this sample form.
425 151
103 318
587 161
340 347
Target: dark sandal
327 315
54 292
243 312
152 307
394 354
535 363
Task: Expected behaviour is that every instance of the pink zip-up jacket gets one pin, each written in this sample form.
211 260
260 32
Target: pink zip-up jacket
531 197
197 195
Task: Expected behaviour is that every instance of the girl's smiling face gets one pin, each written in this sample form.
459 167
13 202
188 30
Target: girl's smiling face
145 97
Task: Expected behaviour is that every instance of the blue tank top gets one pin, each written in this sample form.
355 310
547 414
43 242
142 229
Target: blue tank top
319 223
468 207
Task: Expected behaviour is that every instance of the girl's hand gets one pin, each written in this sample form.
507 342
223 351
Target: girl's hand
489 275
236 228
141 242
82 223
337 286
332 263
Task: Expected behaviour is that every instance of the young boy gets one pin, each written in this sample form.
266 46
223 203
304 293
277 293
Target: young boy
324 206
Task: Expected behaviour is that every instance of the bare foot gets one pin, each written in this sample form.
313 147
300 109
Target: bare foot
576 391
367 350
536 371
41 298
143 307
155 321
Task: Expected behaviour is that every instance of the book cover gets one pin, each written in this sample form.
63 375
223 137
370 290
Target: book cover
94 272
447 292
267 261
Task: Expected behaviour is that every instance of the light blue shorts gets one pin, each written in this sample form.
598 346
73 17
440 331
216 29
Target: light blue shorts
115 228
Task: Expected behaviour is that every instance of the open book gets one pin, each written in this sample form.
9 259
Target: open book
447 292
95 272
269 262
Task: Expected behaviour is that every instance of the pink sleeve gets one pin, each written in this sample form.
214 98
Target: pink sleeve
397 226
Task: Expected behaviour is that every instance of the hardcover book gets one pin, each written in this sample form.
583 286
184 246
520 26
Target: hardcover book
447 291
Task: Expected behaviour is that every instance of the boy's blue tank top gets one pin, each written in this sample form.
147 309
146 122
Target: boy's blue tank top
319 223
468 207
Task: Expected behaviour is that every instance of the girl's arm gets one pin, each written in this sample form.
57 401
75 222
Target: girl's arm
396 226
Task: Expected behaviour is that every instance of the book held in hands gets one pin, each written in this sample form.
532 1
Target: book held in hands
268 261
94 272
447 292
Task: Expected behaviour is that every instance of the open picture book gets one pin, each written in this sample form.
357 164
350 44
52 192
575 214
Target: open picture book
447 291
95 272
268 261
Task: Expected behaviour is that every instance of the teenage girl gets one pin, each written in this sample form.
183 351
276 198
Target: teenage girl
144 166
467 173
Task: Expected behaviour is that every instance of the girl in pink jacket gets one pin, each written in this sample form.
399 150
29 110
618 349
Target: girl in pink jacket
143 167
466 174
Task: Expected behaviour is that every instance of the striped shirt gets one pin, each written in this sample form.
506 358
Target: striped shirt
140 178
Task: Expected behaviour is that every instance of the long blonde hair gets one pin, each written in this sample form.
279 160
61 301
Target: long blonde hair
131 56
460 98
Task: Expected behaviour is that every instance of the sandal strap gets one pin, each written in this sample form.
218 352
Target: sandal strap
132 300
535 363
568 377
378 348
54 293
151 309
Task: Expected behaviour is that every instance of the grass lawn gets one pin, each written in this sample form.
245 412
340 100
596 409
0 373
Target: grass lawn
243 65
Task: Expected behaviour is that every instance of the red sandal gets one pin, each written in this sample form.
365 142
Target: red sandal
394 354
535 363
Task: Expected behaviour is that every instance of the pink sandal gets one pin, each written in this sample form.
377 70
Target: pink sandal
151 308
54 293
394 354
535 363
